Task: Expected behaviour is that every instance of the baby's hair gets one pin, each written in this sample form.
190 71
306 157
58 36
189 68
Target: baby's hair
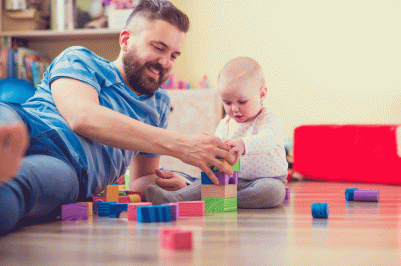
242 68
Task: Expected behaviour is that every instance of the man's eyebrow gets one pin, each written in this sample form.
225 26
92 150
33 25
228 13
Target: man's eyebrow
165 46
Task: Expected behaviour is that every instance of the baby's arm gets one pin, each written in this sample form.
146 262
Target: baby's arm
237 146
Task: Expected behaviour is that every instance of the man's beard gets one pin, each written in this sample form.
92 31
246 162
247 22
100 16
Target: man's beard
138 79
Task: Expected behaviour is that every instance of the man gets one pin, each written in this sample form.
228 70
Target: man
91 118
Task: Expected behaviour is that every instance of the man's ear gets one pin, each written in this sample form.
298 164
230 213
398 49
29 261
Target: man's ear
124 37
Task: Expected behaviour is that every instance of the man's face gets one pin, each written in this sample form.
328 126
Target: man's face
151 56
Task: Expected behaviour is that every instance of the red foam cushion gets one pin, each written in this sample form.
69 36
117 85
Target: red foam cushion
348 153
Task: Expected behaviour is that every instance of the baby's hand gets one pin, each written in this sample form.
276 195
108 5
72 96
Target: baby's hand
237 146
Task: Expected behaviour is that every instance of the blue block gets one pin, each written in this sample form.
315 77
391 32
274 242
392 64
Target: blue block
116 208
205 179
349 193
103 208
153 214
320 210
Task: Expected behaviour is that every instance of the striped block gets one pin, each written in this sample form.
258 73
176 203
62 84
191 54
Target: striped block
116 208
191 208
74 211
173 210
94 205
89 206
220 205
153 214
112 193
176 239
103 208
132 209
223 178
213 191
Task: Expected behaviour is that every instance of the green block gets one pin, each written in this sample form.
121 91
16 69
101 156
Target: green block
220 205
126 180
122 193
235 168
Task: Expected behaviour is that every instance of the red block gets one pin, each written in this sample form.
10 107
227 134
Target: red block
123 199
174 238
348 153
191 208
132 209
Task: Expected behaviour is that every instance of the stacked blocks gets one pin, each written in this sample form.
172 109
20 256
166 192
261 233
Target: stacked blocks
176 239
153 214
222 197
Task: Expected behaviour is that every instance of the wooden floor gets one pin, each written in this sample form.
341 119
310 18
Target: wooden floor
356 233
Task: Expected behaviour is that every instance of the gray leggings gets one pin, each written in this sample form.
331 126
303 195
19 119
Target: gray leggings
260 193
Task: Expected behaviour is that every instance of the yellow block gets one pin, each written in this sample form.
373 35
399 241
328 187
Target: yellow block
112 193
134 198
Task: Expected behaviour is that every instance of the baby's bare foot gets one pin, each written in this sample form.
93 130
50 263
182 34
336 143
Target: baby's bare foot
13 144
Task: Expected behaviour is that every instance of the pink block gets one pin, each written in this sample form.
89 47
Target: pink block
174 238
123 199
132 209
191 208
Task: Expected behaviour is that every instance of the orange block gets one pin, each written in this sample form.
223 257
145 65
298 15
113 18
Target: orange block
112 193
134 198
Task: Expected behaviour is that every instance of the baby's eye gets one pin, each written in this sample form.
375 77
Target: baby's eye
227 103
242 102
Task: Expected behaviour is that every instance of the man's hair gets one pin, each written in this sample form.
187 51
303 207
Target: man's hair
159 10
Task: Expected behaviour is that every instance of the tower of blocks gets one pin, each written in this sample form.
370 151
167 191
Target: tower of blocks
222 197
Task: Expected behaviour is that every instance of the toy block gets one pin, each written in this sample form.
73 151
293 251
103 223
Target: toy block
122 193
132 209
130 192
235 168
96 198
220 205
367 195
134 198
223 178
94 205
153 214
116 208
74 211
89 205
175 239
349 193
173 210
112 192
191 208
213 191
320 210
103 208
123 199
120 187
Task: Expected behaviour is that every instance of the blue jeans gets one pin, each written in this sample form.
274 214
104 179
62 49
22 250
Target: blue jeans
40 187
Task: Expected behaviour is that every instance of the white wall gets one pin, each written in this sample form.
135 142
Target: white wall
324 61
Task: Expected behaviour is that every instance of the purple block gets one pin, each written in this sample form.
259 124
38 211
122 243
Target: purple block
225 179
94 205
174 210
287 193
74 211
366 195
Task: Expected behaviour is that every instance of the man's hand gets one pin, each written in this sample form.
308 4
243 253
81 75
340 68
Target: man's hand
169 181
236 146
204 152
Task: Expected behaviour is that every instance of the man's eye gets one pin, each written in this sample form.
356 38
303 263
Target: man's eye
158 48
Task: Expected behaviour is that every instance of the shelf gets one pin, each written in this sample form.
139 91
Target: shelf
52 35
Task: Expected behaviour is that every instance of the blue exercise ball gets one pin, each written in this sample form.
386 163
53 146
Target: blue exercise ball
15 90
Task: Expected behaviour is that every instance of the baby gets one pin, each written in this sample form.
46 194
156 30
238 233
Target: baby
253 132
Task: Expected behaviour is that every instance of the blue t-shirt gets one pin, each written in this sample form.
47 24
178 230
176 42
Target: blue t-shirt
97 165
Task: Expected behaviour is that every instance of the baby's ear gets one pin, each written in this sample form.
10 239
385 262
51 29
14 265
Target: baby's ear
263 93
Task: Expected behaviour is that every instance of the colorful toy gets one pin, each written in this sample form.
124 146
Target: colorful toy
153 214
220 204
103 208
175 239
112 192
132 209
223 178
89 206
173 210
213 191
287 193
367 195
116 208
349 193
191 208
320 210
94 205
74 211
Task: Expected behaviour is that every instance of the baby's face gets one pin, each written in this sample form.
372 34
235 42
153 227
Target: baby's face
241 99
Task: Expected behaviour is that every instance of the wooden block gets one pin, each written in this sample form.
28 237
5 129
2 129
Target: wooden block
175 239
95 205
173 210
103 208
236 167
223 178
121 187
124 199
134 198
74 211
130 192
153 214
132 209
112 193
213 191
89 205
116 208
96 198
220 205
191 208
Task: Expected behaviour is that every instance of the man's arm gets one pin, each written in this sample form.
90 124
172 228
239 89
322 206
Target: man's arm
78 103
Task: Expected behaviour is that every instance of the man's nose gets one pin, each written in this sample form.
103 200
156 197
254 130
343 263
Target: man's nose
165 61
